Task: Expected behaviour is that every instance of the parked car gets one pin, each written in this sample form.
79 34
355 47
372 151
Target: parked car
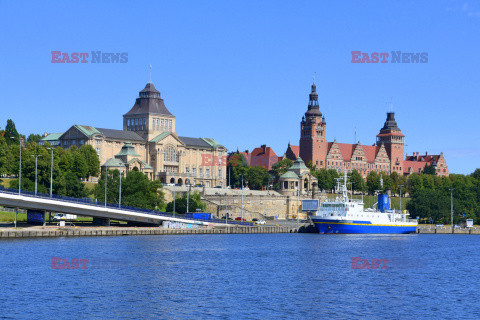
439 225
261 222
240 219
254 219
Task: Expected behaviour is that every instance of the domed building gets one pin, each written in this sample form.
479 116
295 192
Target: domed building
298 177
148 143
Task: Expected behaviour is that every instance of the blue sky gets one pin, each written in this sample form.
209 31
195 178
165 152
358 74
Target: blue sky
240 71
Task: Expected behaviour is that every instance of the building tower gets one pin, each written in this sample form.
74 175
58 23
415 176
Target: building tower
392 138
149 116
313 143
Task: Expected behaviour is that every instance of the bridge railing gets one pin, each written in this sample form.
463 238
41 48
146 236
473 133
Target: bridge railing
95 203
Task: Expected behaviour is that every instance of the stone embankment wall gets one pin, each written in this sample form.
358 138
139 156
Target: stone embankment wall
122 231
256 204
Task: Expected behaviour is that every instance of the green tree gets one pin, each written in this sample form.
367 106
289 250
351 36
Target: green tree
73 186
194 203
6 157
414 183
32 137
79 165
11 131
357 180
139 191
281 167
476 174
91 158
237 166
429 204
113 187
373 182
429 169
257 177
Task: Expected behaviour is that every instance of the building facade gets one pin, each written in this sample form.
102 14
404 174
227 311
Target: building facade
149 143
386 155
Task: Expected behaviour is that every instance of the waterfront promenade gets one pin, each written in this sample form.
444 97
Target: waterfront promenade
40 231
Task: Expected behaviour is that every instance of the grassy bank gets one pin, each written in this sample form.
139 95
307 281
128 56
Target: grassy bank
10 217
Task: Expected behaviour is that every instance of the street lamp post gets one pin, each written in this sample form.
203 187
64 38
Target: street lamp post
242 197
36 161
19 167
298 202
106 181
401 197
188 197
51 173
451 207
174 201
120 189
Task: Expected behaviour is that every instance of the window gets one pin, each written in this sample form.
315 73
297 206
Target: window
169 123
128 122
144 121
136 122
65 143
74 142
97 142
169 154
98 151
160 122
187 169
219 172
200 171
153 123
82 142
194 171
207 172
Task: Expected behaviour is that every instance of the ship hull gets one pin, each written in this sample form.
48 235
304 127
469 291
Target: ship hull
347 227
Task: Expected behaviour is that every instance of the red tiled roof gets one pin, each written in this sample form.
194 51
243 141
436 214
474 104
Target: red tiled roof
346 149
295 150
263 156
370 152
415 165
425 158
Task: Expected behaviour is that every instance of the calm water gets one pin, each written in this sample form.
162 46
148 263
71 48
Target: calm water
271 276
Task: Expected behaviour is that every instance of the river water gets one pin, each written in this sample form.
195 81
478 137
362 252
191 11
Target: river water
243 276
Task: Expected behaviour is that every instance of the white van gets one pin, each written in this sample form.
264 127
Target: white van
65 217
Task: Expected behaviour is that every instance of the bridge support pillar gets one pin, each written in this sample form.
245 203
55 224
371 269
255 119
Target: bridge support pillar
101 221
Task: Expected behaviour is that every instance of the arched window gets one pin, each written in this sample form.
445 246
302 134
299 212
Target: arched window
169 154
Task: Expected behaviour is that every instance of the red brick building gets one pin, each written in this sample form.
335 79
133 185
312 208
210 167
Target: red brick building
385 155
416 163
261 157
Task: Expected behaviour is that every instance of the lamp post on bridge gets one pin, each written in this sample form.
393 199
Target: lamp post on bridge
36 161
51 173
120 189
106 182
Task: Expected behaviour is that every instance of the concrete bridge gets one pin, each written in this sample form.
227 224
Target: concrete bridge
85 207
